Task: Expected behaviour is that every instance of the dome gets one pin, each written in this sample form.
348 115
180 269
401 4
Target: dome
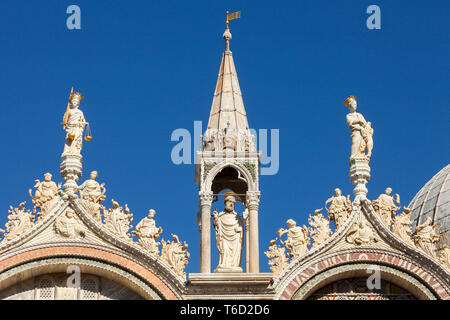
433 200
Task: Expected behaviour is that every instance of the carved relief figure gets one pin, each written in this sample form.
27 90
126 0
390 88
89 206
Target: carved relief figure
361 233
229 236
339 209
297 241
402 226
74 124
361 131
321 228
45 196
68 226
92 194
19 221
385 206
444 256
175 255
118 219
147 233
426 237
278 259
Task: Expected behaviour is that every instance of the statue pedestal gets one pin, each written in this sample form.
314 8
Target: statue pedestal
359 175
71 170
229 286
221 269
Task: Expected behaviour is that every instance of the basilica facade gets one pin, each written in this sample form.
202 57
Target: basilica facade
68 242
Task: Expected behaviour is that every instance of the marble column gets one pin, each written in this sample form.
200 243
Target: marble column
205 199
253 205
359 175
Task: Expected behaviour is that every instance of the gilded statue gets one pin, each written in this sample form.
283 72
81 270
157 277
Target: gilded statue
426 237
229 228
147 233
45 196
74 123
361 131
339 209
402 226
297 240
320 231
385 207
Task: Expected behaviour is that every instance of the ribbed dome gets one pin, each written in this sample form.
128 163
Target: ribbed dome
433 200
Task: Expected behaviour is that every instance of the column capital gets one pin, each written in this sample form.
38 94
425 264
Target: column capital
205 198
252 198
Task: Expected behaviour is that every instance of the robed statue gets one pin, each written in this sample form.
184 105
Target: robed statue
229 236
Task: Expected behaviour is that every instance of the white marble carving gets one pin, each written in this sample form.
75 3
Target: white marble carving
175 255
339 209
385 207
118 220
67 225
45 196
147 233
19 221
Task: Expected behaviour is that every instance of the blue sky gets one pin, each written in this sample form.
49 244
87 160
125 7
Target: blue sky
147 68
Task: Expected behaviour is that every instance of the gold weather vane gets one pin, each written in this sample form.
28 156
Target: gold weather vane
232 16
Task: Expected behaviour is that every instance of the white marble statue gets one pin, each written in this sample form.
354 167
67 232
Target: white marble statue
402 226
339 209
298 239
92 194
426 237
385 206
229 237
361 131
45 196
74 124
147 233
361 233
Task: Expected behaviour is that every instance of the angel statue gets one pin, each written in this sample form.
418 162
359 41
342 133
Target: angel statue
45 196
297 241
361 131
385 206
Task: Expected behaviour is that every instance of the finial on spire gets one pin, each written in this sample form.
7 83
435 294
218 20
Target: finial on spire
227 33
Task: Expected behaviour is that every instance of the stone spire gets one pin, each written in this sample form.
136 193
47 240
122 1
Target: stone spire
228 117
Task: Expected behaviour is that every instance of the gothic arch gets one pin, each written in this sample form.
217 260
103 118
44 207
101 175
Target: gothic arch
241 169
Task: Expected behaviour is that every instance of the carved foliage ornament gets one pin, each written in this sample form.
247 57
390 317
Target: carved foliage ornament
118 220
19 221
175 255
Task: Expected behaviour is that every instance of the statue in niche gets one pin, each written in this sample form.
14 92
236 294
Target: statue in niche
321 228
74 124
19 221
68 226
147 233
426 237
361 131
385 206
297 241
402 226
361 233
278 259
339 209
229 228
92 194
45 196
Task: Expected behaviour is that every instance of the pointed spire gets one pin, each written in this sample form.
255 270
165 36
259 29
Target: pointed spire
227 111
